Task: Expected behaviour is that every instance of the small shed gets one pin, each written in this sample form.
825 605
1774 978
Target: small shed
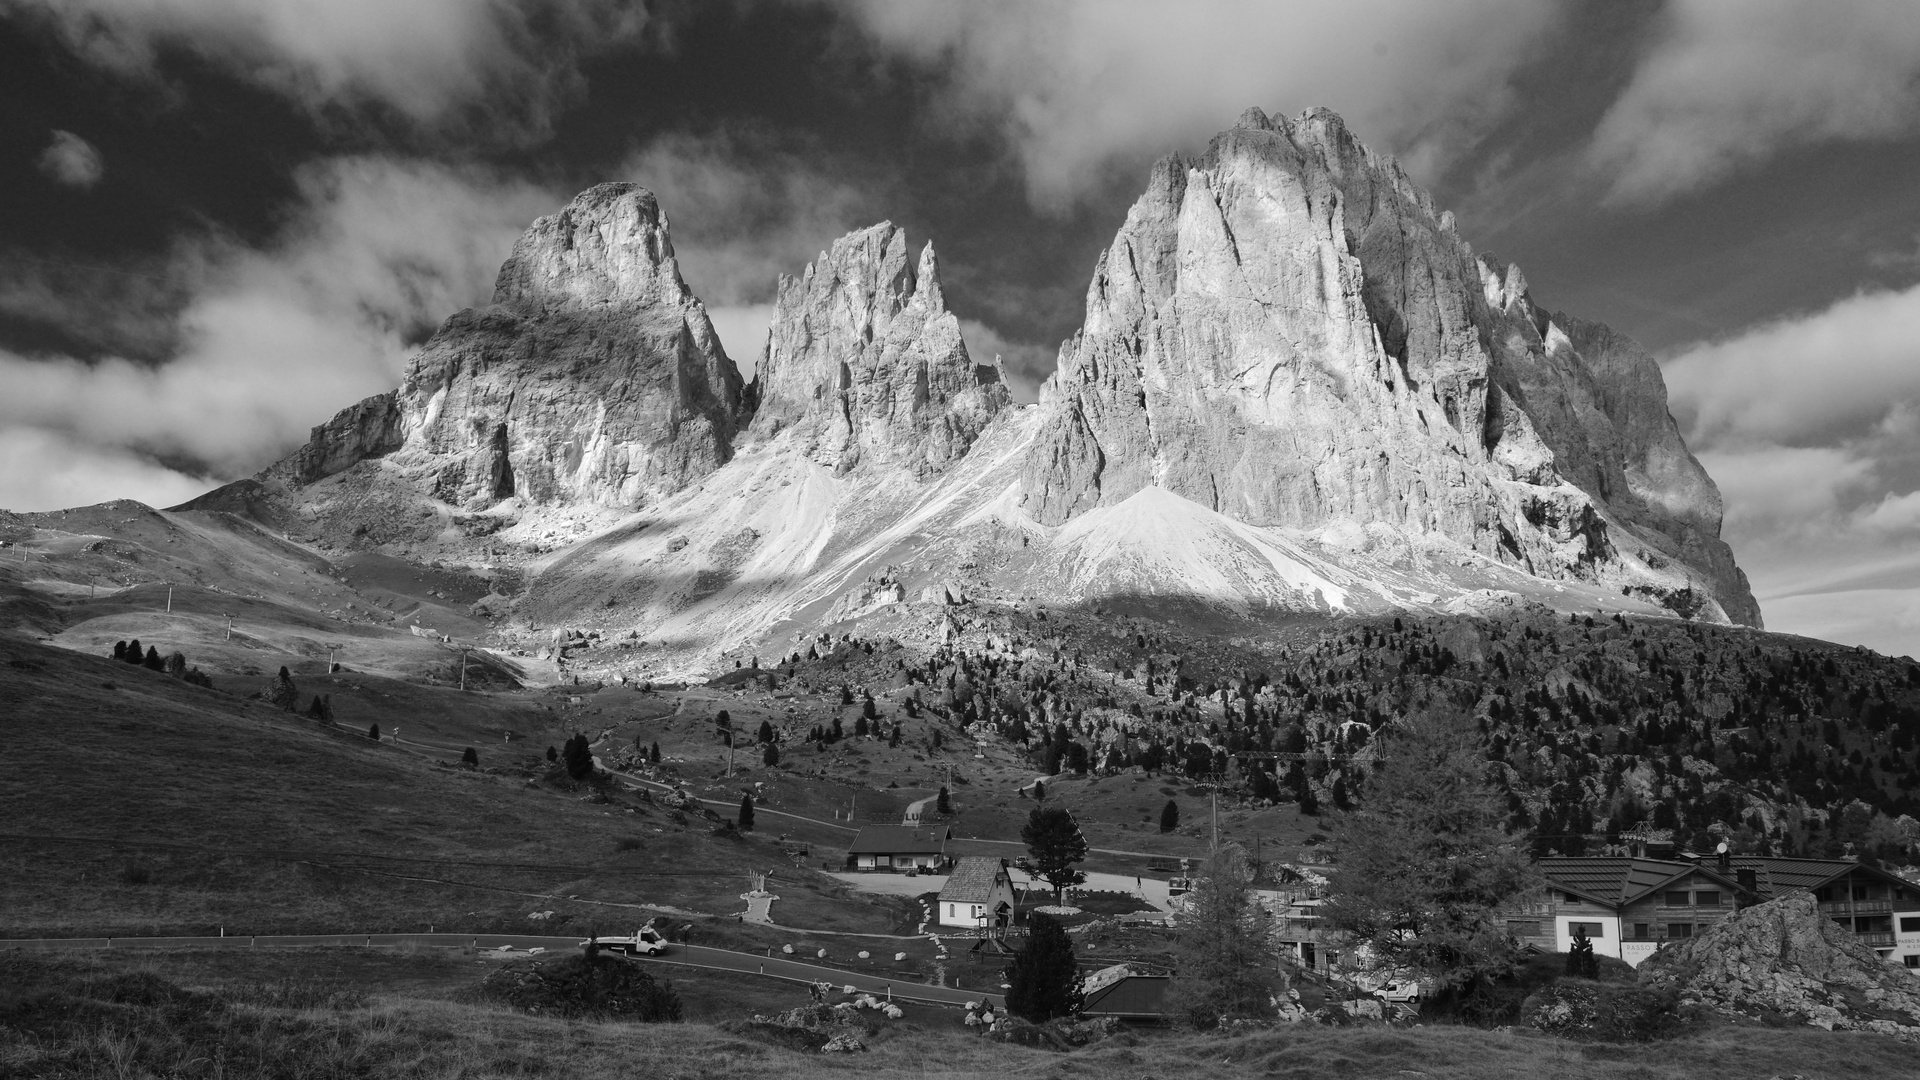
978 894
1125 994
900 847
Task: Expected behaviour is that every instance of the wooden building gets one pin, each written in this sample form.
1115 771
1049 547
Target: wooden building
1629 905
900 848
978 895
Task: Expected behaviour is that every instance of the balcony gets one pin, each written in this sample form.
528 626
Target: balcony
1878 938
1856 907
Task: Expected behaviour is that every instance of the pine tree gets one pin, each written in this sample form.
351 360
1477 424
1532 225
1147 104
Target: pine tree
177 665
766 732
134 654
1425 863
283 694
1580 960
1055 844
153 661
770 756
1039 791
653 754
944 805
1170 816
1221 953
470 758
373 732
578 753
746 813
1043 981
120 650
552 755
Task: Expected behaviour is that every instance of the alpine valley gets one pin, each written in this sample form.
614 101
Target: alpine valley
1311 463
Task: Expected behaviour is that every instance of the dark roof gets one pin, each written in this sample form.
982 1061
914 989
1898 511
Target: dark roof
1618 880
1776 876
900 840
1134 995
972 880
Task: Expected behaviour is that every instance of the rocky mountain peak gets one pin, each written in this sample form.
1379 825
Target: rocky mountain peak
610 245
865 364
1286 332
594 376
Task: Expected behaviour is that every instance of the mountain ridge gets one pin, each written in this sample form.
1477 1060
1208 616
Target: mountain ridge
1296 389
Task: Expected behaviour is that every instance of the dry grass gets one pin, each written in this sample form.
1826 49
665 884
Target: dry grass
135 803
199 1014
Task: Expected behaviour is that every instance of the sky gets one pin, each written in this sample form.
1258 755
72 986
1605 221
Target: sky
223 220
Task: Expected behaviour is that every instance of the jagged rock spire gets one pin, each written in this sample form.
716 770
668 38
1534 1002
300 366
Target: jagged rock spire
865 364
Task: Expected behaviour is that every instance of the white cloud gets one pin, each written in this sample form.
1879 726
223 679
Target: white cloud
275 341
425 59
1811 427
1836 372
1729 83
1772 488
744 209
1077 84
47 470
71 160
1894 514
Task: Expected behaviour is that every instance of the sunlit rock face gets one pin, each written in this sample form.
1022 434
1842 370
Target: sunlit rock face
1286 331
594 376
865 364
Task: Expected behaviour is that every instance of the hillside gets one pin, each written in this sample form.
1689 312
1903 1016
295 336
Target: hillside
137 803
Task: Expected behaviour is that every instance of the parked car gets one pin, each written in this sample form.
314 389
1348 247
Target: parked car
1400 991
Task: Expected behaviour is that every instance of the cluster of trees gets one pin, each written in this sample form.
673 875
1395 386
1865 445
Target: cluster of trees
174 664
578 755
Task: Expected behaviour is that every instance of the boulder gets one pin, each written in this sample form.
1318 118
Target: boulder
1786 957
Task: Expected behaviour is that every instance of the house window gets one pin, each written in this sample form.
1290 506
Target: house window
1679 930
1642 931
1593 929
1570 898
1859 892
1909 926
1707 898
1677 899
1912 960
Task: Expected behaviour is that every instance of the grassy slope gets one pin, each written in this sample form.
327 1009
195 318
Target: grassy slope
216 801
171 1013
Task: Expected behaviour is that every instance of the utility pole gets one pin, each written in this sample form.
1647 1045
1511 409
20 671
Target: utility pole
169 599
229 626
463 669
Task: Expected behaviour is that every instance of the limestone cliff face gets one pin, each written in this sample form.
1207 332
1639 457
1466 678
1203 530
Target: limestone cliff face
865 363
1286 331
594 376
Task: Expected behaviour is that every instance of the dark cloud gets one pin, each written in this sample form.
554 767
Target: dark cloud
487 70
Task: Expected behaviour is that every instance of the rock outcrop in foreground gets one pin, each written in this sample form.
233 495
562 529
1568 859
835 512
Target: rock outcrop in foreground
867 363
1785 957
1287 332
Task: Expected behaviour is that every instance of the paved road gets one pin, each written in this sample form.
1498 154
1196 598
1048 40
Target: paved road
1152 890
695 956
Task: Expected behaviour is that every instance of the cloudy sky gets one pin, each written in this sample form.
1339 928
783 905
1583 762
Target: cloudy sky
222 220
